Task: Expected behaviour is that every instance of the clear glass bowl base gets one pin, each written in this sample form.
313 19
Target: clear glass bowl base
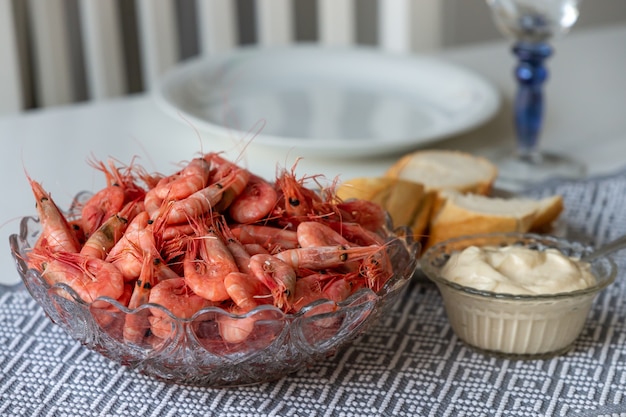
517 172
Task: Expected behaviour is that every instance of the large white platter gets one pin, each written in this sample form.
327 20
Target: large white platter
338 102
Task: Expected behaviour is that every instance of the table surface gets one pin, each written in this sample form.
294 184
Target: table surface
586 98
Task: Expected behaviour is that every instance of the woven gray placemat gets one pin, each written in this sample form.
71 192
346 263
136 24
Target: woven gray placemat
410 364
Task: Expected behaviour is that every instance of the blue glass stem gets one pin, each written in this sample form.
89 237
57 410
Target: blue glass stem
530 74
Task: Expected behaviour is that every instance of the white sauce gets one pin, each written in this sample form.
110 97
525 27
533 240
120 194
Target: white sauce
517 270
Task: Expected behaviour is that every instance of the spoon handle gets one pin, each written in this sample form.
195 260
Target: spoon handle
613 246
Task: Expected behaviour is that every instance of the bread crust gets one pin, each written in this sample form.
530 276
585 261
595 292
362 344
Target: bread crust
419 165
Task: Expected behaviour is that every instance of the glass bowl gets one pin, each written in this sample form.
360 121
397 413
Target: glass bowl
516 326
194 351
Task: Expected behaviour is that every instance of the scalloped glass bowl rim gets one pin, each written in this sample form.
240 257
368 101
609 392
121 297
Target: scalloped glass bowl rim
396 281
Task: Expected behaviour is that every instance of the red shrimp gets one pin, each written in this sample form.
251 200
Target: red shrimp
206 264
323 257
377 269
109 233
338 289
271 238
356 234
136 324
246 291
308 289
255 202
236 248
203 201
89 277
368 214
126 254
277 276
313 233
175 295
298 200
332 286
192 178
120 189
56 234
101 206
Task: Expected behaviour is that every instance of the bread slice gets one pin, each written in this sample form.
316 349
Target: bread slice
466 214
407 202
446 170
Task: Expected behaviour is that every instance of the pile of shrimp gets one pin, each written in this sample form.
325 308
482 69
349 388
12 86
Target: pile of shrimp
210 234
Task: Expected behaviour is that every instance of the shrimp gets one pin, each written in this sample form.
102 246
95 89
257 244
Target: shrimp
192 178
377 269
255 202
136 324
236 248
102 205
335 287
356 234
312 234
368 214
246 291
109 233
271 238
56 234
89 277
206 264
323 257
126 253
338 289
120 189
299 200
176 296
278 276
308 289
204 200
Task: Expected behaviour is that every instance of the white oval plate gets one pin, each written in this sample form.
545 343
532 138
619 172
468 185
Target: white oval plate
327 101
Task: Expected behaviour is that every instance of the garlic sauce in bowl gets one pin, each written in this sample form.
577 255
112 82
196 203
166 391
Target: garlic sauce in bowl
519 296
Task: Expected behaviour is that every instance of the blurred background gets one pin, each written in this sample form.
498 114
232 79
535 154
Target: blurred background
37 27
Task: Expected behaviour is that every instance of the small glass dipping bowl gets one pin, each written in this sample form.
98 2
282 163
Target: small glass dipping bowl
516 326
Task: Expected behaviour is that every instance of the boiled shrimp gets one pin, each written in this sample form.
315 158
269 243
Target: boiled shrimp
313 233
237 249
377 269
191 178
271 238
246 291
176 296
109 233
298 199
277 276
204 200
356 234
56 234
206 264
323 257
126 254
368 214
136 324
255 202
121 189
89 277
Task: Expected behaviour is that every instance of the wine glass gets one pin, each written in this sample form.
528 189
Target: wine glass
531 24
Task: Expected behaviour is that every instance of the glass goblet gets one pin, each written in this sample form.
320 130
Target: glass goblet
531 24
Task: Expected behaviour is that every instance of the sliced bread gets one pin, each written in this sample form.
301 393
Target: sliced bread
465 214
446 170
407 202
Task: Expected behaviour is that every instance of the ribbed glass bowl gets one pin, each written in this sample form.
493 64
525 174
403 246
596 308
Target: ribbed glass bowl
516 326
194 352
